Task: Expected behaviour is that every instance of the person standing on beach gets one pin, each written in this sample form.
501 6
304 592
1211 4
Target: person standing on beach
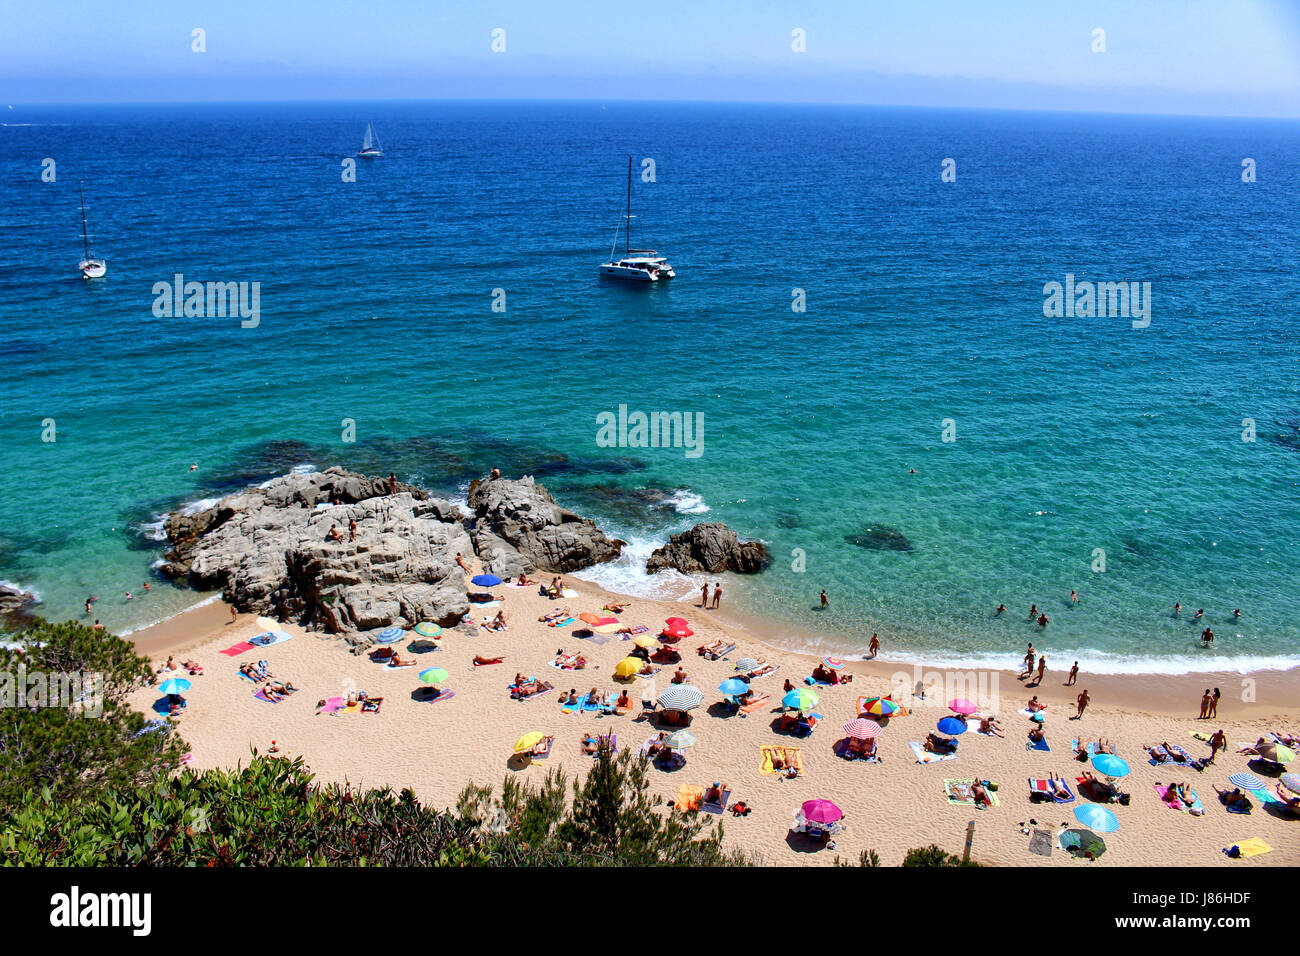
1074 673
826 602
1082 701
874 647
1214 704
704 595
717 593
1042 668
1205 705
1028 662
1218 741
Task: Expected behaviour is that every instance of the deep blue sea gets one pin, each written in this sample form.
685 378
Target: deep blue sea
924 303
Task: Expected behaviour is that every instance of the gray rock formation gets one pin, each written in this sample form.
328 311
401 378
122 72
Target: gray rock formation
267 549
521 516
15 604
709 547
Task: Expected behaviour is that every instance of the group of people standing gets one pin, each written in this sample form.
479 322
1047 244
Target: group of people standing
704 595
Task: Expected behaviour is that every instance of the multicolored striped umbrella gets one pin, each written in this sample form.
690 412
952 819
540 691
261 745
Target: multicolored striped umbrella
433 675
880 707
801 698
962 706
1247 781
177 685
747 664
834 663
1291 781
388 635
680 697
820 811
679 740
862 729
428 629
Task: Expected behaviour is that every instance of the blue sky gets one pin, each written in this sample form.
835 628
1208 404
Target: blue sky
1219 57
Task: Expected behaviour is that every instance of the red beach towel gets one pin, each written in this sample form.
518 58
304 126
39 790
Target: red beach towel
238 649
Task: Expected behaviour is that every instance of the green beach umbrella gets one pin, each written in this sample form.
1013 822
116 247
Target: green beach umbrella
433 675
428 629
801 698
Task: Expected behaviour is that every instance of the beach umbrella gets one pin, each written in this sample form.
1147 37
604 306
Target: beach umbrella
862 729
528 741
678 620
177 685
680 697
820 811
628 667
951 726
428 629
801 698
388 635
1110 766
433 675
733 687
834 663
1291 781
962 706
747 664
644 640
880 707
677 630
589 618
1247 781
486 580
1096 817
1276 753
1085 841
679 740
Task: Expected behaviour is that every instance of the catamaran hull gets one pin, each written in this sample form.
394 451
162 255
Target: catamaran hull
92 269
627 275
370 154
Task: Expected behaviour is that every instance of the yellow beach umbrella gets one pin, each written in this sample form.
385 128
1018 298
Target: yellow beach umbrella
528 741
627 667
644 640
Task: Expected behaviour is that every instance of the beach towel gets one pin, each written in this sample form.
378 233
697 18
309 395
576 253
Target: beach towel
565 623
371 705
1265 797
445 695
959 792
270 638
639 629
544 687
716 655
1040 842
1163 789
1044 788
611 739
597 639
1037 745
764 671
924 756
1252 847
261 695
586 704
718 807
841 749
689 797
1159 756
251 680
333 705
1037 715
755 704
237 649
792 756
814 682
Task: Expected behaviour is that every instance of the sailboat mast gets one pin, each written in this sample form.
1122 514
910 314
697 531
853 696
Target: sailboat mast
628 234
85 243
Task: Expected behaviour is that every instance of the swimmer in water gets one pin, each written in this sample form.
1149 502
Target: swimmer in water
1074 597
1236 614
826 602
1178 608
1207 635
1043 620
194 467
1033 611
1002 609
1199 613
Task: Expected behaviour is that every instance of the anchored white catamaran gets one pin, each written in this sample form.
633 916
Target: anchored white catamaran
636 265
92 267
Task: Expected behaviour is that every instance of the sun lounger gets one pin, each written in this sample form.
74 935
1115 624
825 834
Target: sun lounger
689 797
790 756
1042 789
924 756
718 806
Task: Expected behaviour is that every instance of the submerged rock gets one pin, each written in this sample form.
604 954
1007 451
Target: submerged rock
711 547
880 538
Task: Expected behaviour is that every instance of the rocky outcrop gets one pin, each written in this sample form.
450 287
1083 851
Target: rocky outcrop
521 516
16 604
268 549
709 547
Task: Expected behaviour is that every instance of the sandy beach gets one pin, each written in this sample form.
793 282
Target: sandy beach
890 806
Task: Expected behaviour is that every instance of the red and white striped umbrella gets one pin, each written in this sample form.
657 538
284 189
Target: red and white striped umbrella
862 729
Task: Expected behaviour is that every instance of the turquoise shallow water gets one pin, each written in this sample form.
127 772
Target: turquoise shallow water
924 303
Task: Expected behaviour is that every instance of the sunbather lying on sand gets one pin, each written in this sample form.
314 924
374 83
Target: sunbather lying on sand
1180 794
589 744
939 745
990 725
559 614
1290 799
1287 740
1101 790
1058 786
398 660
980 795
480 661
1254 750
1233 799
542 747
281 688
615 608
253 672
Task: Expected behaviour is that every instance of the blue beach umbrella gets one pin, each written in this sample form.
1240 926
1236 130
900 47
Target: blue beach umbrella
1097 818
179 685
486 580
733 687
951 726
1247 781
388 635
1110 766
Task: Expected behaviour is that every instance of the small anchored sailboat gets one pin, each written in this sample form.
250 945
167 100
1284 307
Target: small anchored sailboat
92 267
636 265
370 148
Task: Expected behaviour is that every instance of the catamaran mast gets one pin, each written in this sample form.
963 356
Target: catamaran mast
85 243
627 235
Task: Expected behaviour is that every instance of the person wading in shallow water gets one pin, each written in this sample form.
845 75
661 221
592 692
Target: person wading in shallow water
717 593
704 595
826 602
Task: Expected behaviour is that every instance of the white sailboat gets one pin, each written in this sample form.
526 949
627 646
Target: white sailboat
92 267
370 148
636 265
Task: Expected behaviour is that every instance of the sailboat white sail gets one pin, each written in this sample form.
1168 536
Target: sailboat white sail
371 148
92 267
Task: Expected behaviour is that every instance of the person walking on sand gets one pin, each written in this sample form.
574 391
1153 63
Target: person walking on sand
704 595
1028 662
717 593
874 647
826 602
1218 741
1205 705
1074 673
1042 667
234 614
1214 704
1082 701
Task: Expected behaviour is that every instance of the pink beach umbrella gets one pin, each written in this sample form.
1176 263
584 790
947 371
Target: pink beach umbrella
862 729
962 706
821 811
